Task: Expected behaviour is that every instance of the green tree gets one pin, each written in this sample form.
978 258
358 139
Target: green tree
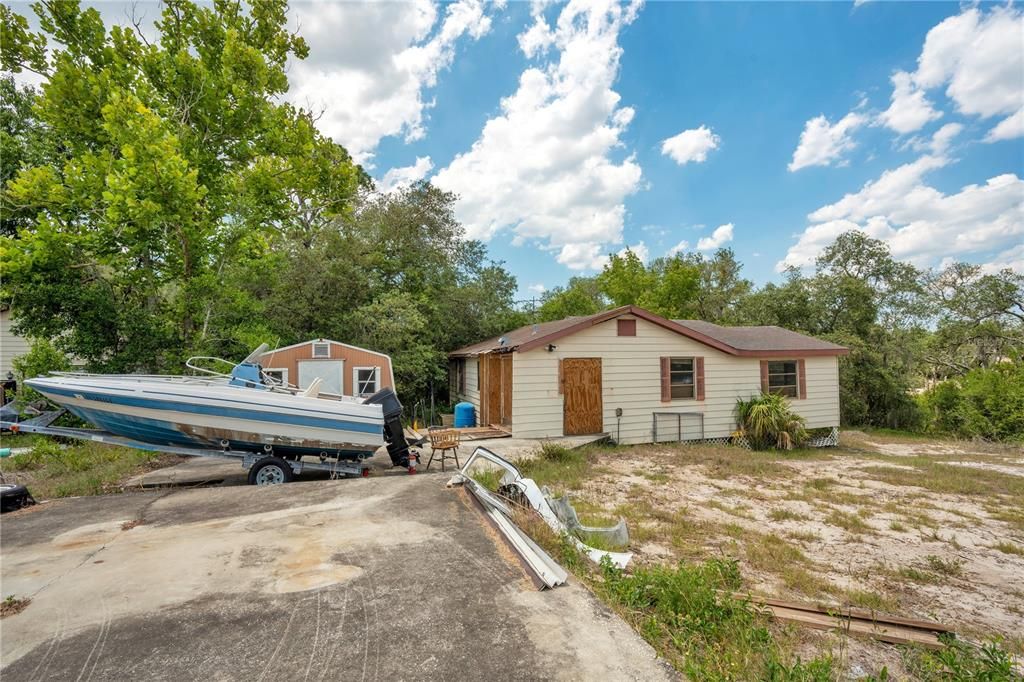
581 296
625 279
172 154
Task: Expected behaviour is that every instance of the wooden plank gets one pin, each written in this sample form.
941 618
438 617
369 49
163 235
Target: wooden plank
893 634
850 612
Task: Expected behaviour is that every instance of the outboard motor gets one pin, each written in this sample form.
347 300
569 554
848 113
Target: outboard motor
394 434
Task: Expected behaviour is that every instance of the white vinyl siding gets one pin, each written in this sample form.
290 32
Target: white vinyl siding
11 345
472 392
631 379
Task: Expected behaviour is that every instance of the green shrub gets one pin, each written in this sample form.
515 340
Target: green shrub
42 358
987 402
767 422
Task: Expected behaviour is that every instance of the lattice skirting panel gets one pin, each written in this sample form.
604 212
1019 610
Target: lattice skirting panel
829 441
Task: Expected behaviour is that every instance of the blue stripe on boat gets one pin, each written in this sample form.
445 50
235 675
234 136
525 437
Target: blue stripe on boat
232 412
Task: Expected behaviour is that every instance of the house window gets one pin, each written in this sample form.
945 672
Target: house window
321 350
627 327
365 380
458 376
681 377
278 375
782 378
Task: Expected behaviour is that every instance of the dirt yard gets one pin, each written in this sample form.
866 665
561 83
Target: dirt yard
905 526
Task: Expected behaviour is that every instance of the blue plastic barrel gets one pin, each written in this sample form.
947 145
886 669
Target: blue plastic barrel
465 415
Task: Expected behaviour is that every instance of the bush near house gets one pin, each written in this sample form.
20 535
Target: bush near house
987 402
768 423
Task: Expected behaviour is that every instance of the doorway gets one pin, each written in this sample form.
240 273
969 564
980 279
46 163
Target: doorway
583 405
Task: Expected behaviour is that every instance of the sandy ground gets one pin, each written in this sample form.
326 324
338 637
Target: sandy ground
902 549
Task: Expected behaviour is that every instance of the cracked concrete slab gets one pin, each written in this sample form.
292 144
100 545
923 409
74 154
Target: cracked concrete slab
377 578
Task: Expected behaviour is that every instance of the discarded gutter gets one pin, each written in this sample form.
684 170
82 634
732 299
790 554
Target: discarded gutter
525 489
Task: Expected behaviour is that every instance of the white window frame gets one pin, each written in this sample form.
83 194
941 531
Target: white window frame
321 344
282 370
355 380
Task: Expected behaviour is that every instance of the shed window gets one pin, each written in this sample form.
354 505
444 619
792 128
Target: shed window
458 376
627 327
681 377
366 380
783 378
321 350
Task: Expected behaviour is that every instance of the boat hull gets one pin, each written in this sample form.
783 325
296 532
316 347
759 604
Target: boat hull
219 416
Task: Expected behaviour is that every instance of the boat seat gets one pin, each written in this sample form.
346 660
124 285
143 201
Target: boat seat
313 391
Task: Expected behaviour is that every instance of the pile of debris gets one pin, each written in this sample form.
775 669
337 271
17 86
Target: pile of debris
557 513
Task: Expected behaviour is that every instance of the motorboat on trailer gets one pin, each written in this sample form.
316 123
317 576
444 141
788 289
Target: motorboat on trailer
244 412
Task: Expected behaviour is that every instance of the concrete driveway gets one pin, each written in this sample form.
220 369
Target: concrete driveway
363 579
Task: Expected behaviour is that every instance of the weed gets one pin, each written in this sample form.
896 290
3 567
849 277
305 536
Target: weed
804 535
12 605
85 468
960 660
848 522
897 526
687 614
949 567
489 478
772 553
1009 548
873 600
917 575
785 515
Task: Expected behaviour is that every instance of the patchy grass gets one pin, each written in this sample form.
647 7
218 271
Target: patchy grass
897 526
873 600
84 468
948 567
13 605
786 515
557 465
949 479
851 523
1009 548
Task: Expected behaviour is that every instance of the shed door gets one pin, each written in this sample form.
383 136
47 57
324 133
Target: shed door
583 409
329 371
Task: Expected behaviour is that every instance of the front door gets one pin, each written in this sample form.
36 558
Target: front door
583 409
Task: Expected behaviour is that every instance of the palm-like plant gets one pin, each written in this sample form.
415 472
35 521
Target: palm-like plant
767 422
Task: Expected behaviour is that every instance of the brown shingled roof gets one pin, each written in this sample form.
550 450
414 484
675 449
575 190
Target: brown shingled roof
743 341
765 338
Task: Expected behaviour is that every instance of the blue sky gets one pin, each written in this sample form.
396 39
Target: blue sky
571 131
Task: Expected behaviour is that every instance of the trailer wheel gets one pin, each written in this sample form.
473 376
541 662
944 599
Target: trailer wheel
14 497
270 471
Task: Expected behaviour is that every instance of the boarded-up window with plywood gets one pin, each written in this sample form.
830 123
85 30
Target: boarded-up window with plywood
627 327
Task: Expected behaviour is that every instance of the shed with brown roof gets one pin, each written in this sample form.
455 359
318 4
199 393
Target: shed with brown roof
641 377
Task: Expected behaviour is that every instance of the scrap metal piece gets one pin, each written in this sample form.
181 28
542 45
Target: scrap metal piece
614 536
536 498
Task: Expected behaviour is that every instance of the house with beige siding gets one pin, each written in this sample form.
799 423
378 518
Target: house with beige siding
640 377
343 369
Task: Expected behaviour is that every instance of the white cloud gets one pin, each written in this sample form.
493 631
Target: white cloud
536 289
918 222
371 63
910 109
690 145
406 175
1012 258
639 250
980 57
1009 128
720 237
822 143
678 248
544 168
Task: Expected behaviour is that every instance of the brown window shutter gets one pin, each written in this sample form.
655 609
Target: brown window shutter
666 380
764 376
801 377
561 378
698 370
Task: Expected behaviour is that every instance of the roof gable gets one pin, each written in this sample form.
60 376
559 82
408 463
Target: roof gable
331 341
